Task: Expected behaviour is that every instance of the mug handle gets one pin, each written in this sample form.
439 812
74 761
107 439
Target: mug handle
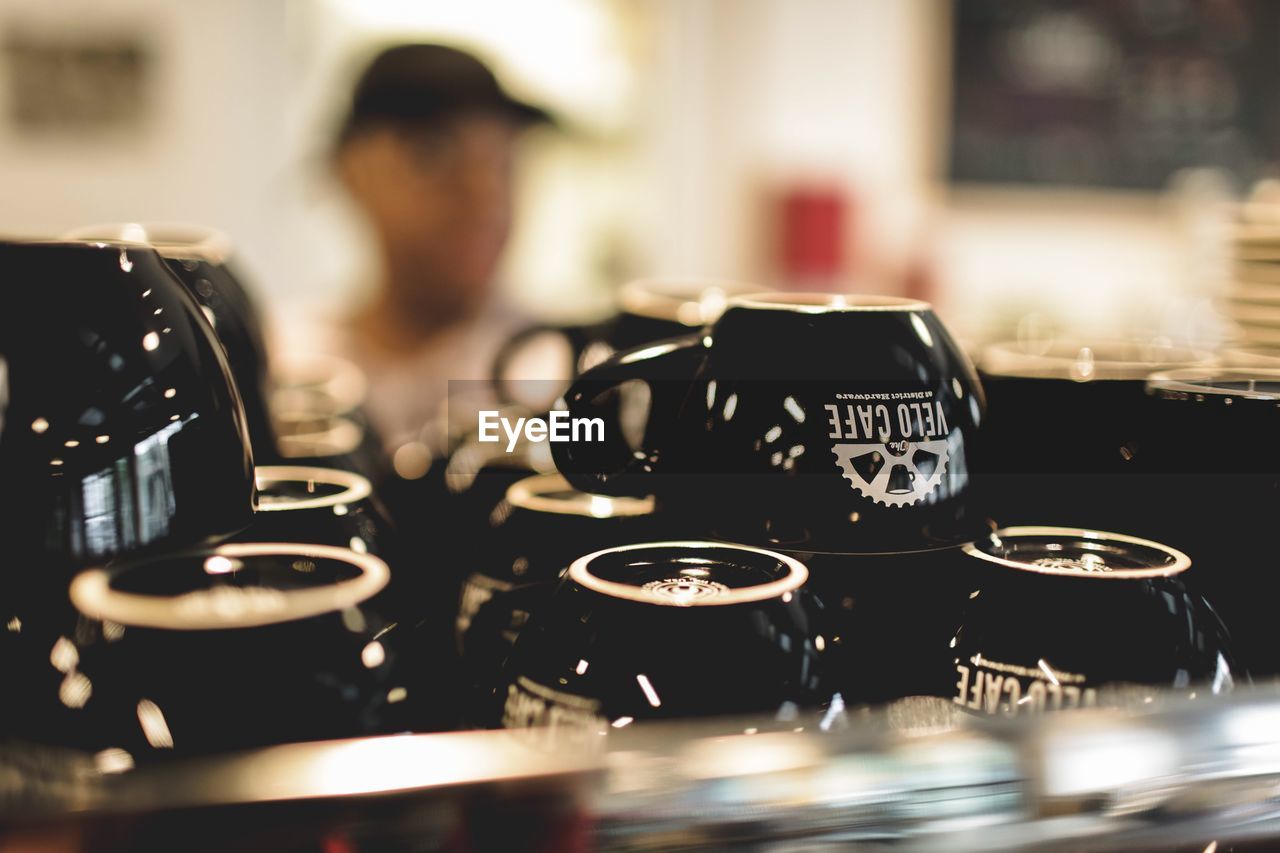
612 466
577 338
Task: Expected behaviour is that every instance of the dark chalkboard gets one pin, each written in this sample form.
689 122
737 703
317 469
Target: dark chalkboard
1113 93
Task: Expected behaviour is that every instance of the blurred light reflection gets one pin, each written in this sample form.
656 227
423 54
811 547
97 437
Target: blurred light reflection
154 726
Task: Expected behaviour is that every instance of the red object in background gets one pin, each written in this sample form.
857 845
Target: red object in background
811 228
337 843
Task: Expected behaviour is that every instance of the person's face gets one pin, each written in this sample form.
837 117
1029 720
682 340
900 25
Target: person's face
439 197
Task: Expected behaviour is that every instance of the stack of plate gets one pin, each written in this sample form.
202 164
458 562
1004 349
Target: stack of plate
1252 293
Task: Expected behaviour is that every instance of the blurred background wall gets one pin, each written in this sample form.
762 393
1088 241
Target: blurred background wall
799 143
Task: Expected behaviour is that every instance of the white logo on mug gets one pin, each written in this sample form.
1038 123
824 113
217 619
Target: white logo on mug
901 450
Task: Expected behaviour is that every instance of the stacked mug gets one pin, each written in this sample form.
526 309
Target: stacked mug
835 429
824 449
160 595
784 513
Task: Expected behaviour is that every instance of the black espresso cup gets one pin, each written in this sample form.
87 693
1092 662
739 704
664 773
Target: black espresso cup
457 492
1063 618
533 534
123 428
239 646
1212 487
1213 421
1065 425
333 507
201 259
663 630
818 422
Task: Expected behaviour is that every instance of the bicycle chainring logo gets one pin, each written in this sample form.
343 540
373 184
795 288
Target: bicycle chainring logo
900 452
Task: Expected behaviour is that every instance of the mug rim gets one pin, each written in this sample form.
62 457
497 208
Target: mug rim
533 493
355 487
92 594
1181 562
1007 359
178 240
816 302
797 574
644 297
1182 380
18 242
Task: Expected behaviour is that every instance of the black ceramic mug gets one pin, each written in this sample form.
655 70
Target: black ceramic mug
201 259
233 647
1212 489
456 493
817 422
319 506
533 534
666 629
1064 618
1066 420
124 429
123 433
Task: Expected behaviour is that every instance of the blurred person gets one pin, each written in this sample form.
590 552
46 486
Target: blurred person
427 154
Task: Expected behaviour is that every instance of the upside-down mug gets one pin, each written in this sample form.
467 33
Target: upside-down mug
816 422
199 257
1063 618
667 630
123 429
532 536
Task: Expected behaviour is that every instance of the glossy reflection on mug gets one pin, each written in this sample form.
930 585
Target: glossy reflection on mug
237 646
123 429
667 629
1062 618
202 258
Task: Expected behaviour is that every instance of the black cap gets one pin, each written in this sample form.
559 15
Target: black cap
420 82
